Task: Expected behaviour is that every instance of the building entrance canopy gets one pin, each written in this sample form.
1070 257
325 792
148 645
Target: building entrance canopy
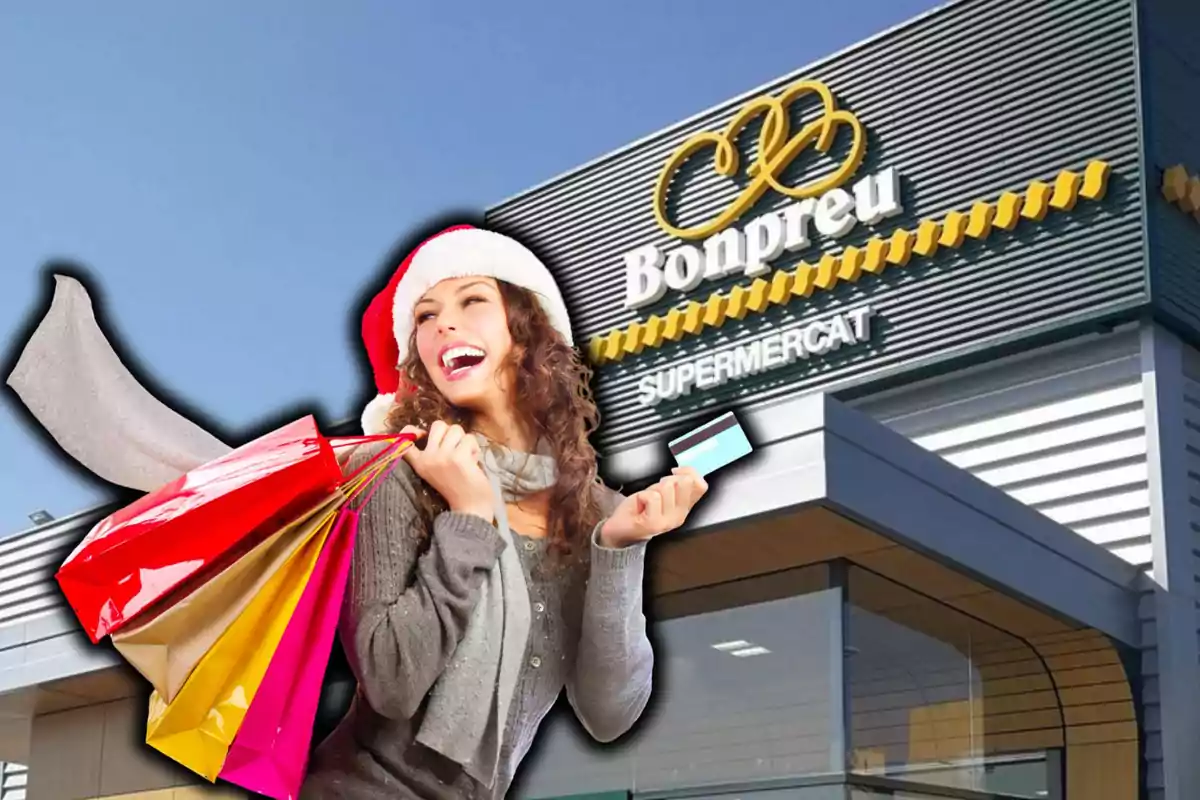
917 627
827 481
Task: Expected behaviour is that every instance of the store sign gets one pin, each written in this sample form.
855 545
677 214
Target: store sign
822 207
829 207
755 357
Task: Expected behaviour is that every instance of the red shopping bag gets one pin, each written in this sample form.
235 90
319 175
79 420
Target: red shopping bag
152 547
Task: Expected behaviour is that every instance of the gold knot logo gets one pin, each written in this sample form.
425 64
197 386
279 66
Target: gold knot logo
777 149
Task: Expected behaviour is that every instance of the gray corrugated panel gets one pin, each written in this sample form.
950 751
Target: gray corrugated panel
1191 370
1170 75
1152 746
1175 254
13 780
28 562
1062 430
977 99
1153 749
85 518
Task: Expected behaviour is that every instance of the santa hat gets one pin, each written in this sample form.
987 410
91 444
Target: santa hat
457 252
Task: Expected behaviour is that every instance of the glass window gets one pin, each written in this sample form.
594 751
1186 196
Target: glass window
914 793
745 692
862 793
790 677
827 792
939 698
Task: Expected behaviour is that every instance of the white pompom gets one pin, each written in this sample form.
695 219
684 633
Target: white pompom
374 416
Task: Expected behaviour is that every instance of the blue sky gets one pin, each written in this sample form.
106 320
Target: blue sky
233 173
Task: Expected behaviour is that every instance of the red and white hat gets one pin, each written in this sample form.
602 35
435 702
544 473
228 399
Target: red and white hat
457 252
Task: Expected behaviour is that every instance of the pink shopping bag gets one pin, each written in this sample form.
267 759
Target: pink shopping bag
269 755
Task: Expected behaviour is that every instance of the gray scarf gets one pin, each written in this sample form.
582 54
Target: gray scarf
468 705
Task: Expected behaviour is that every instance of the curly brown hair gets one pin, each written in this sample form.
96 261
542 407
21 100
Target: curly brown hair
552 399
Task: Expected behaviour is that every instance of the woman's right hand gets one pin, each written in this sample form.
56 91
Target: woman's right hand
450 464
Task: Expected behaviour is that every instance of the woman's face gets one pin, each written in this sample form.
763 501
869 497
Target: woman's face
463 339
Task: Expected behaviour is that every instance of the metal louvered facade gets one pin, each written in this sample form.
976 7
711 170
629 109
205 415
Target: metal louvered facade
13 779
39 636
1191 433
1191 405
28 562
1062 429
978 99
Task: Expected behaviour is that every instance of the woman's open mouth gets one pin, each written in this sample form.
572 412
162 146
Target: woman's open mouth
457 362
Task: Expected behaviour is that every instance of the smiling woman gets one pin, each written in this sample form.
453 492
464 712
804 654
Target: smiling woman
493 569
449 314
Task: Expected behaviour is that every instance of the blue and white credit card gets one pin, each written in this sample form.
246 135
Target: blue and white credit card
711 446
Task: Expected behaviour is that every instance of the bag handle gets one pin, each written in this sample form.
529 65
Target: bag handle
399 442
377 468
382 475
349 441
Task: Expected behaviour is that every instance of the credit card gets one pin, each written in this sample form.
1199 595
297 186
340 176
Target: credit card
713 445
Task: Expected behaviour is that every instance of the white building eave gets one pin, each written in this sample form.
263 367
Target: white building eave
816 451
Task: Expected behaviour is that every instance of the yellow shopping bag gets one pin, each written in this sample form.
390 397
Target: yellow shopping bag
166 647
197 727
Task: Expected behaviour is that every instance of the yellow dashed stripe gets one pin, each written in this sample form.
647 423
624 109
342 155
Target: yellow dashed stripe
874 261
878 254
1037 201
927 238
900 248
781 286
1008 208
1182 189
980 224
954 229
673 328
693 318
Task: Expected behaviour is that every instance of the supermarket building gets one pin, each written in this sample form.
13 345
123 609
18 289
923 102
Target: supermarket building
950 280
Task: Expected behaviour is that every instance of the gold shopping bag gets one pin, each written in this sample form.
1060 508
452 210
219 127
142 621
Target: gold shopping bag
198 726
166 648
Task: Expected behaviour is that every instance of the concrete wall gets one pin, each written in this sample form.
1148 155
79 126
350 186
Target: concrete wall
99 752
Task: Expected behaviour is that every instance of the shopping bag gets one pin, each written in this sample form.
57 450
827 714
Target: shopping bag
196 728
167 644
269 755
141 553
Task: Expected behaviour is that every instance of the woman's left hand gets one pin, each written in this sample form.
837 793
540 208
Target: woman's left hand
658 509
